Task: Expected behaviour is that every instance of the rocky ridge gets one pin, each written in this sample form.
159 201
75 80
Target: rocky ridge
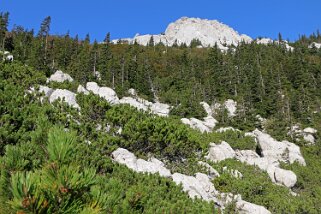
272 151
198 186
184 30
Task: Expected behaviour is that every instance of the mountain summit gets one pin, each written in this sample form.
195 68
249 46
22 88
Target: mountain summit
184 30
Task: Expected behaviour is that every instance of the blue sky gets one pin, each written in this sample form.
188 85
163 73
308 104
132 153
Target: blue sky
127 17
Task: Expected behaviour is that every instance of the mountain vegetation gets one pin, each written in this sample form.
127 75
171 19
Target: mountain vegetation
54 159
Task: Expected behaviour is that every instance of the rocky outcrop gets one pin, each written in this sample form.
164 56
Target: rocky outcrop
244 207
280 150
6 56
285 177
316 45
205 125
60 76
56 94
270 165
268 41
81 89
230 105
110 95
104 92
198 186
225 129
46 90
152 166
65 95
220 152
212 173
308 134
184 30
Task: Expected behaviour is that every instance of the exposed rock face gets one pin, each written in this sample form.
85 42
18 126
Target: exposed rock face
207 108
184 30
160 109
133 102
46 90
104 92
81 89
196 124
97 75
60 76
110 95
230 105
270 165
6 56
68 96
308 133
245 207
205 125
198 186
282 151
9 58
53 95
152 166
219 152
314 44
267 41
224 129
285 177
212 173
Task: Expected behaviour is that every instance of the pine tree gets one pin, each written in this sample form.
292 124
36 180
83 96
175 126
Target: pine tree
4 21
42 51
104 64
151 42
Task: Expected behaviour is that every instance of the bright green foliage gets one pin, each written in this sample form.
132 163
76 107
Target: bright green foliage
256 187
148 133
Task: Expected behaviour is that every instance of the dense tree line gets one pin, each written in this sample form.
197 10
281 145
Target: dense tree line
265 80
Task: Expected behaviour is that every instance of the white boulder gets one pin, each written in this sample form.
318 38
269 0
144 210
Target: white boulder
65 95
93 87
244 207
314 44
9 58
104 92
285 177
310 130
60 76
205 125
199 186
196 124
270 165
282 151
160 109
46 90
152 166
97 75
212 173
133 102
81 89
219 152
225 129
207 108
230 105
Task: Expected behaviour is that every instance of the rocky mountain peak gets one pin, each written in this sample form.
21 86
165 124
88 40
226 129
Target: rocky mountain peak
185 29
